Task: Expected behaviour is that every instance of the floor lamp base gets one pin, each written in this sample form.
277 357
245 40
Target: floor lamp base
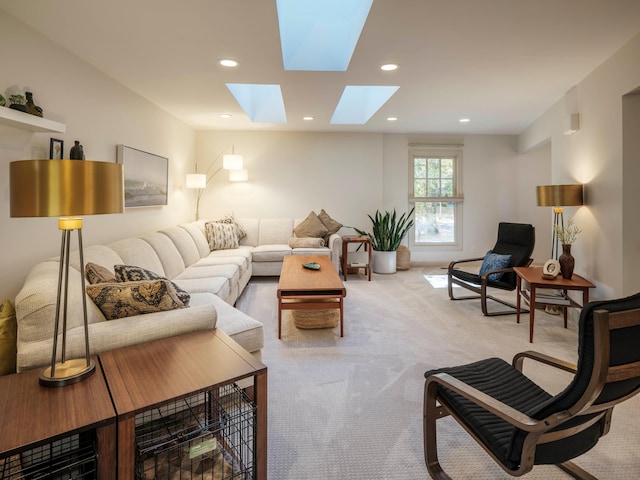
67 373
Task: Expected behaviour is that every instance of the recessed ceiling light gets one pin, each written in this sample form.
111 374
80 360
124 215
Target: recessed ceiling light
465 120
308 118
225 115
388 67
392 119
227 62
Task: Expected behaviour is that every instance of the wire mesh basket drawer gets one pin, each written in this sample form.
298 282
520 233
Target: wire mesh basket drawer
72 457
205 436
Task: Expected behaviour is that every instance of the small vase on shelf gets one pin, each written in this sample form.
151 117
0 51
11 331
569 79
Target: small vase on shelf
566 261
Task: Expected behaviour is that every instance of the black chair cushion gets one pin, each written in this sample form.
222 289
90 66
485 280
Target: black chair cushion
475 279
500 380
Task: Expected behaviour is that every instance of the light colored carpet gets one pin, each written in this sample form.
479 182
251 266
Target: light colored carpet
352 407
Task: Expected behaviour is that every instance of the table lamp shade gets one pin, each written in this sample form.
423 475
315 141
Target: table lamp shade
559 195
59 188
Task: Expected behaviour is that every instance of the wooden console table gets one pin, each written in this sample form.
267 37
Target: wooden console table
533 276
154 374
37 417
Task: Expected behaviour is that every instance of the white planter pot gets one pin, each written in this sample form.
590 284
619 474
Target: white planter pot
384 262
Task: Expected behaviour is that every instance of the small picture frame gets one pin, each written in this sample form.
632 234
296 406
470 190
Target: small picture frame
56 149
551 269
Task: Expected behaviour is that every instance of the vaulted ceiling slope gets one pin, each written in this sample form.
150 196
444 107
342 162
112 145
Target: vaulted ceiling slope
500 63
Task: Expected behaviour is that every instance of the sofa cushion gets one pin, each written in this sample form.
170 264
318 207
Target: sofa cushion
8 332
126 299
197 232
221 236
311 226
168 255
306 242
136 251
98 274
131 273
218 286
275 231
270 253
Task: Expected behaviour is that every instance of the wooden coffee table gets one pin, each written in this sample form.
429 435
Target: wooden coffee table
303 289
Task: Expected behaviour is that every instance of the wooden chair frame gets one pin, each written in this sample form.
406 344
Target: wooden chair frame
539 431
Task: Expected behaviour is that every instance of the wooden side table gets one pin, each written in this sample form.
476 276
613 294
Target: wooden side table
155 374
533 276
34 416
363 240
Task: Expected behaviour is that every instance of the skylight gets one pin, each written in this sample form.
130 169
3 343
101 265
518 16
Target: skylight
358 103
261 103
320 35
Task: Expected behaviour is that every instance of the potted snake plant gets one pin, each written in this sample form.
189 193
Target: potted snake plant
388 231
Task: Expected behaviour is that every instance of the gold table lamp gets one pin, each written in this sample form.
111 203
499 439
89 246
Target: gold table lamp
66 188
558 196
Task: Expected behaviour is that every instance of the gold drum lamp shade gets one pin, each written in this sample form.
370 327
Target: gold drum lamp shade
558 196
66 188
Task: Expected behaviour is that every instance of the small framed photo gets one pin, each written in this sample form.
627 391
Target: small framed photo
551 269
56 149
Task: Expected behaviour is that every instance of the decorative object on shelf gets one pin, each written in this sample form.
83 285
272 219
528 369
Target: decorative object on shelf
146 177
231 162
558 196
76 152
32 108
64 188
551 269
18 102
3 102
311 266
56 149
388 231
566 236
567 262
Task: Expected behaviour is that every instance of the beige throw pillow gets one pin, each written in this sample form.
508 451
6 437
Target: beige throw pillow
306 242
332 225
98 274
311 227
127 299
8 329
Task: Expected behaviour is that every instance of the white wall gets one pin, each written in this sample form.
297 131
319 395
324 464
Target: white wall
594 157
99 112
631 193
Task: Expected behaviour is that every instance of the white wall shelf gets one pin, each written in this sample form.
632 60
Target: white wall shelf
25 121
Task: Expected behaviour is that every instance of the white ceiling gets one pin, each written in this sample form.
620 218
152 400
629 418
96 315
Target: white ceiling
501 63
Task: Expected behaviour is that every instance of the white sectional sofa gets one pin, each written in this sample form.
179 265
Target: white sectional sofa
214 280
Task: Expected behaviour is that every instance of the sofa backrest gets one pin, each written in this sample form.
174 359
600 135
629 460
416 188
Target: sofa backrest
170 259
184 243
135 251
197 232
275 231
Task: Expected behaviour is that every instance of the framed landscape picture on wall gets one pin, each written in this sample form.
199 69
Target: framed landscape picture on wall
145 177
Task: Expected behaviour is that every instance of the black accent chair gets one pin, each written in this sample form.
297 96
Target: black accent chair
521 425
515 239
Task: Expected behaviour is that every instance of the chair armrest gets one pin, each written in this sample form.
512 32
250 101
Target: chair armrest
502 410
518 361
466 260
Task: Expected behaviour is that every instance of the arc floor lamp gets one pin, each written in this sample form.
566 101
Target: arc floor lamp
67 189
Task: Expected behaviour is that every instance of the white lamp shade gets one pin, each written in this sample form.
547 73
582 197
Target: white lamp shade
196 180
241 175
232 162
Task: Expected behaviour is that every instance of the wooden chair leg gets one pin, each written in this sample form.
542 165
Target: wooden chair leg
575 471
431 413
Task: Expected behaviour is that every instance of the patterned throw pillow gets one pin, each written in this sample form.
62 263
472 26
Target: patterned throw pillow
311 226
98 274
240 232
493 261
130 273
221 236
127 299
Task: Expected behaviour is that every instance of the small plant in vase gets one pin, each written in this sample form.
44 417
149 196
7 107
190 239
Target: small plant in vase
566 236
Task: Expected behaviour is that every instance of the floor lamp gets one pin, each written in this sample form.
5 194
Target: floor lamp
66 188
558 196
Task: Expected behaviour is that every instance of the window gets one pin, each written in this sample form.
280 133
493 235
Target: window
434 192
